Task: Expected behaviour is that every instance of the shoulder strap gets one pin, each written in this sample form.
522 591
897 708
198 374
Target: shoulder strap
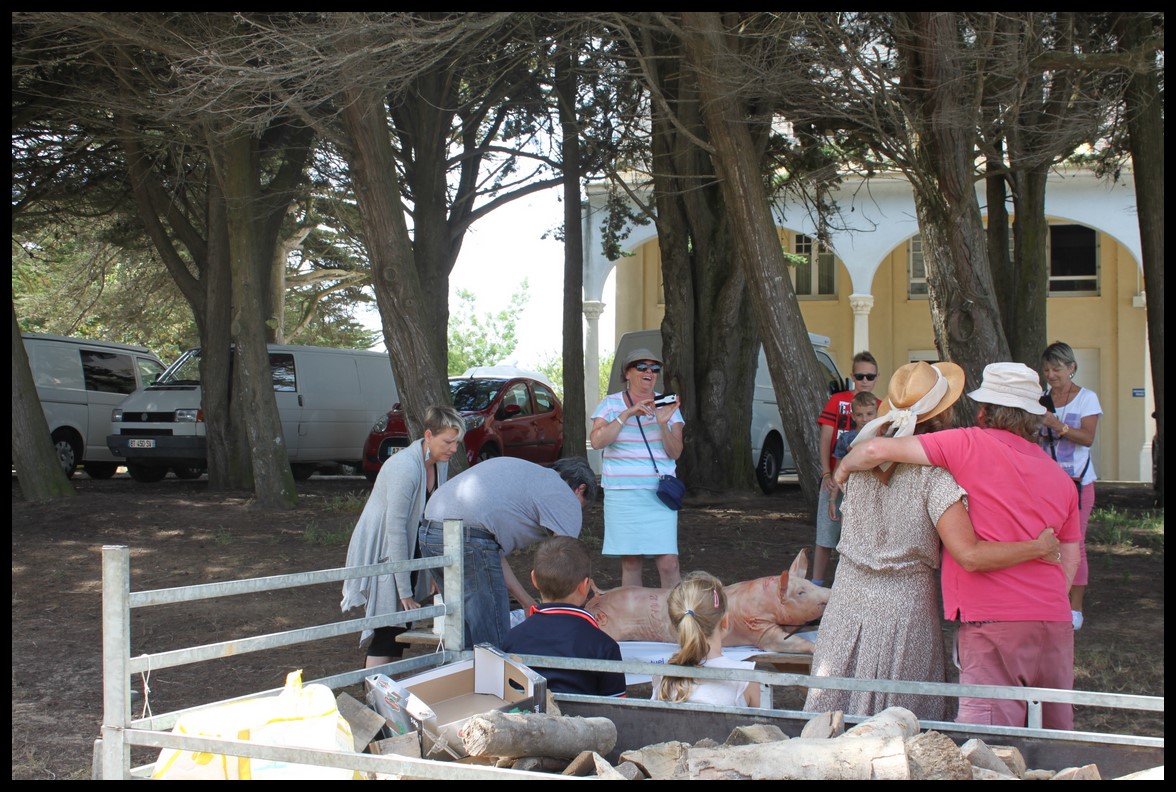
656 470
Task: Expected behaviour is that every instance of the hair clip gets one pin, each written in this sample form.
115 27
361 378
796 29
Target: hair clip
689 612
715 591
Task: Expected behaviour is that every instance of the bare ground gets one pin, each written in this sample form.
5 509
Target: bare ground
181 534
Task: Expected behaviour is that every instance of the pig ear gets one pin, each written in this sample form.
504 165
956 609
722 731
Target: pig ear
800 565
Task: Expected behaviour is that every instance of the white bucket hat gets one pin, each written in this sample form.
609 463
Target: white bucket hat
1010 385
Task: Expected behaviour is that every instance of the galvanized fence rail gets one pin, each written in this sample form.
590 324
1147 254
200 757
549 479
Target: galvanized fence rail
119 731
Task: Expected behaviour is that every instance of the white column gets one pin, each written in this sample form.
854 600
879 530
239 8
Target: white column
861 304
1149 399
592 311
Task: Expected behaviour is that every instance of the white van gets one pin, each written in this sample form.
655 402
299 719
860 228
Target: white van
769 450
78 382
328 400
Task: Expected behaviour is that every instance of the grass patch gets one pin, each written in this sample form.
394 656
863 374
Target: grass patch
325 537
1121 528
223 536
347 503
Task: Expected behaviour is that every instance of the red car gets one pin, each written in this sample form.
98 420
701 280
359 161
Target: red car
507 411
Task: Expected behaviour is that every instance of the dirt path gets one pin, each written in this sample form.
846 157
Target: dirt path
181 535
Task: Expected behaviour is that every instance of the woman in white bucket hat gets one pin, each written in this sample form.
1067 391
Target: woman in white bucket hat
882 621
1014 624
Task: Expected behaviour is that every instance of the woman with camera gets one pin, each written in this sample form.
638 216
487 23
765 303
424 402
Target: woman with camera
1067 433
641 435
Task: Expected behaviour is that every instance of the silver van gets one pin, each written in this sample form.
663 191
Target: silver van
769 450
327 399
79 382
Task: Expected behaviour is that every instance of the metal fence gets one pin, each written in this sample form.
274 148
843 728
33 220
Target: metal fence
119 731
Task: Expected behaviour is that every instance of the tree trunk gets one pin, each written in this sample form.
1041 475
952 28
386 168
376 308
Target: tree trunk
796 376
1025 323
575 428
229 464
33 458
707 340
252 379
1145 126
418 353
964 314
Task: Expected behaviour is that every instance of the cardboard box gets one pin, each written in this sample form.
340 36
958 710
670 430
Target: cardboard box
444 698
388 698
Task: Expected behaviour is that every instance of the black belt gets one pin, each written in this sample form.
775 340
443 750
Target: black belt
469 531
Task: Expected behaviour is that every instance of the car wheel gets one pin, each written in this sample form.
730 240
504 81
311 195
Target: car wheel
146 474
767 472
371 477
487 452
186 472
69 450
100 470
303 471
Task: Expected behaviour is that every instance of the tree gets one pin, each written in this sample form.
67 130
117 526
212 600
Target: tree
211 192
1144 106
729 119
486 340
32 450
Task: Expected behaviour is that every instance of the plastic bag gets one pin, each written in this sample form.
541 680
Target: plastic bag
305 717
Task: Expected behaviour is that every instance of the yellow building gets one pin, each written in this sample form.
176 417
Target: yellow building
868 291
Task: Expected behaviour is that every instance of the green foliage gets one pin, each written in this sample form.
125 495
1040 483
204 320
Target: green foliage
552 368
72 281
483 340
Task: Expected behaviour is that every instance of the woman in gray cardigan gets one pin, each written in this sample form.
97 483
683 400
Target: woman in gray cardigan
387 529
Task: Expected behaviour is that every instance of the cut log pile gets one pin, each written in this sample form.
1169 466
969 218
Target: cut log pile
889 745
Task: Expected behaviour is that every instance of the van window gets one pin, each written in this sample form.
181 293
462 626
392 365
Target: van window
832 376
56 366
282 364
149 370
544 400
108 372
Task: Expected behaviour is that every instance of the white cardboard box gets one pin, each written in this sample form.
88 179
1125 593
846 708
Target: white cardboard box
444 698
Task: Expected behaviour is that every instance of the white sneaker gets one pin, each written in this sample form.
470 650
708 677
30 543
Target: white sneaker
1076 618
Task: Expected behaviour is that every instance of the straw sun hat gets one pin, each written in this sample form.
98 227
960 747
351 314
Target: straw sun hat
918 392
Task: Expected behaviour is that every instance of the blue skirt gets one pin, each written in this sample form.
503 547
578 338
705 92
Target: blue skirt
637 523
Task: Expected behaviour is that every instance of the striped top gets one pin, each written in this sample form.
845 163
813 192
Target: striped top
626 462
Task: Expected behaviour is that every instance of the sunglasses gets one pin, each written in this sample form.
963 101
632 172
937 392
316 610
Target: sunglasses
643 367
870 377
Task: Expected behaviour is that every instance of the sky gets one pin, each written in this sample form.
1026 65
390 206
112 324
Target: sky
504 249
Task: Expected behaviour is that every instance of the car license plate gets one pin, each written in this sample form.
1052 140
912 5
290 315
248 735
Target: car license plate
141 443
394 449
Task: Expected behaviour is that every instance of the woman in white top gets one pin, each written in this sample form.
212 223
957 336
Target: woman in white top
698 612
1068 429
641 442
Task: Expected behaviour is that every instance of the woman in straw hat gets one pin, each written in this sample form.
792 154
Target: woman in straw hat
882 621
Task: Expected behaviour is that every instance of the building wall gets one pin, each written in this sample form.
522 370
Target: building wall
1107 331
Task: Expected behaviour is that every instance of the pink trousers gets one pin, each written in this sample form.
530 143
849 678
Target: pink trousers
1021 654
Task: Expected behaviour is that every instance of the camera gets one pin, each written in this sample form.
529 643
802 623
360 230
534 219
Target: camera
1046 401
664 399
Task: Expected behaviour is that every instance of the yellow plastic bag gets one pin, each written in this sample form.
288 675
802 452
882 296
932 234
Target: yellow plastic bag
305 717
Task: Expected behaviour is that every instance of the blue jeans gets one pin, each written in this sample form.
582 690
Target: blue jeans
485 598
